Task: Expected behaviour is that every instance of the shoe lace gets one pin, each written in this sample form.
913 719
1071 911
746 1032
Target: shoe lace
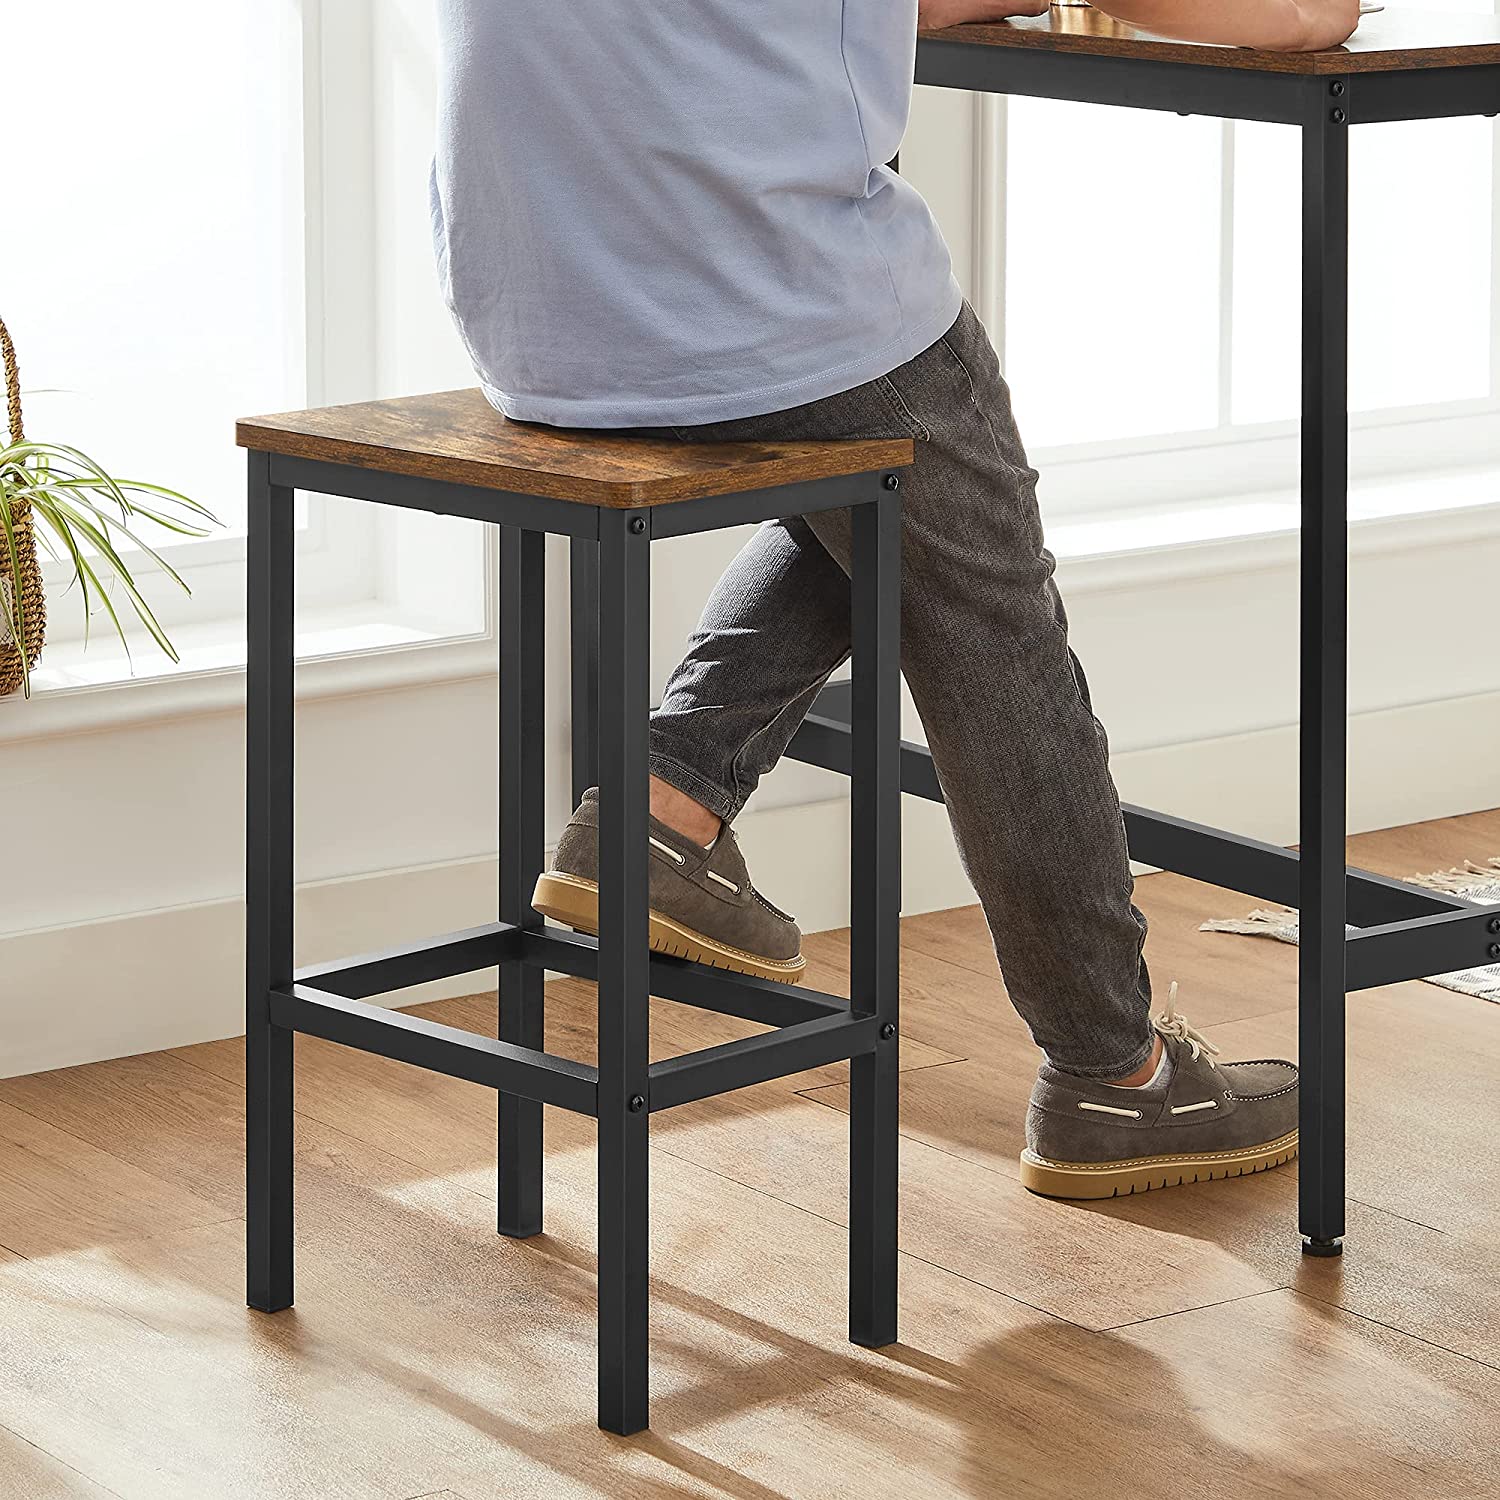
1171 1022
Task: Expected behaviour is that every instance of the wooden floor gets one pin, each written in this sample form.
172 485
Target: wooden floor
1174 1344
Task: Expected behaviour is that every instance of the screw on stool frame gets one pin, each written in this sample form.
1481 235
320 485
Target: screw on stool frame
612 497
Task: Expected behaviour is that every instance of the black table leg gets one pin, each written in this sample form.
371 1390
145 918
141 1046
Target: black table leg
875 915
269 747
1324 686
522 843
624 1114
584 615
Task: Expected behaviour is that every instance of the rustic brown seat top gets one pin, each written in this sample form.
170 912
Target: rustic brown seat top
459 437
1388 41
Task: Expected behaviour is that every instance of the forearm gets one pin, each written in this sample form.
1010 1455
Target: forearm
933 15
1269 25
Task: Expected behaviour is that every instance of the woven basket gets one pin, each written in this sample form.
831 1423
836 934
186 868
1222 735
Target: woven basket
24 571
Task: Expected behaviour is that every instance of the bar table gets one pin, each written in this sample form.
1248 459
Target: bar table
1397 66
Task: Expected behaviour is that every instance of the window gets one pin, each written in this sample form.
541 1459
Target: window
1145 290
160 292
171 279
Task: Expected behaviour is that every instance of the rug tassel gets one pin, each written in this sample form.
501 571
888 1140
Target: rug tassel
1460 877
1256 924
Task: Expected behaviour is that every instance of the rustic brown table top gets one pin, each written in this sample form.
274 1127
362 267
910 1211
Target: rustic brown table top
459 437
1389 41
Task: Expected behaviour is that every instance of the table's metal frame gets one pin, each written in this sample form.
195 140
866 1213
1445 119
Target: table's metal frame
612 552
1401 931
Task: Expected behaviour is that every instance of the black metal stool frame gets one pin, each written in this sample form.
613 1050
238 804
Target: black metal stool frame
612 557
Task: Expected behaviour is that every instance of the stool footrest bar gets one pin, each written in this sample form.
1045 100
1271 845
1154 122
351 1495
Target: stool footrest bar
730 994
758 1059
439 1049
411 963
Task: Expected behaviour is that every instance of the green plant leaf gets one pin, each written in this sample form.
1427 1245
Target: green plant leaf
79 504
81 498
80 573
160 518
14 608
137 600
83 461
163 493
92 577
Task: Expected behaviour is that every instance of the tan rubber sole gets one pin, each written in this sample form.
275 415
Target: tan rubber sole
574 902
1116 1179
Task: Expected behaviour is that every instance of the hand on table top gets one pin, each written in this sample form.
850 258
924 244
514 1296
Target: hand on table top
1268 25
1271 25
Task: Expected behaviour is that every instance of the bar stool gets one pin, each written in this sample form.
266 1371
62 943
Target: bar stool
452 454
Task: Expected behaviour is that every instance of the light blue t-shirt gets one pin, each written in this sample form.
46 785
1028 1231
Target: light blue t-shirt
668 212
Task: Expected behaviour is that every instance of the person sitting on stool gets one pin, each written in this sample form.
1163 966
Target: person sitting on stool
675 218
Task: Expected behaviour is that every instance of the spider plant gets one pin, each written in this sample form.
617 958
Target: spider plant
81 514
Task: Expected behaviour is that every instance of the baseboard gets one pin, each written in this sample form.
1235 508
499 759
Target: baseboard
166 978
170 977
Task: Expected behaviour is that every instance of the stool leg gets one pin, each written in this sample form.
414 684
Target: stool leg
269 758
624 1100
875 917
584 617
522 844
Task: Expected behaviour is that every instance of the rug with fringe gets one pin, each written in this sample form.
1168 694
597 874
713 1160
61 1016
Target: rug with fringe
1474 882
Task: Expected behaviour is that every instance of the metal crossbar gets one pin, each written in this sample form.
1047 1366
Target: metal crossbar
1401 931
810 1028
1420 947
758 1059
440 1049
832 1036
411 964
763 1000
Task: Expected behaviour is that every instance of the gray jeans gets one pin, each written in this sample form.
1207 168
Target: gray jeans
1022 761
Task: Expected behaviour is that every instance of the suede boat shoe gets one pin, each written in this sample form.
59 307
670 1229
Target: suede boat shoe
1196 1121
702 903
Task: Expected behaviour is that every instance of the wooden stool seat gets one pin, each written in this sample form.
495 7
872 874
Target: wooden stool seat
458 437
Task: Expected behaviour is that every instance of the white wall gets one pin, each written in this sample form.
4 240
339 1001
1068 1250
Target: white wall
120 927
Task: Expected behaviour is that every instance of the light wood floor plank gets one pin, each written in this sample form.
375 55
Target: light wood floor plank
972 1220
426 1351
1421 848
27 1473
166 1103
1277 1386
58 1191
1045 1347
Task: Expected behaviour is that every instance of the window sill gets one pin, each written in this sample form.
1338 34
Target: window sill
340 652
1130 547
363 648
